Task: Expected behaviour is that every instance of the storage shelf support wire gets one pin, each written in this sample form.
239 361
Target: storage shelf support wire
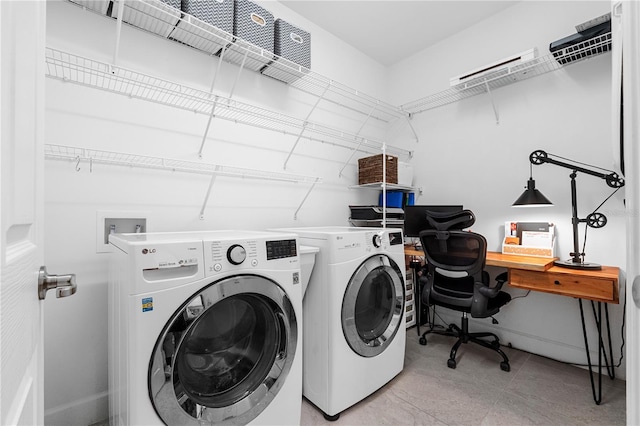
213 107
413 130
313 185
116 48
75 155
206 197
90 73
358 134
304 126
493 103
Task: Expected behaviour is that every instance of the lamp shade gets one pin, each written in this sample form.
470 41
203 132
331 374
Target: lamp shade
531 197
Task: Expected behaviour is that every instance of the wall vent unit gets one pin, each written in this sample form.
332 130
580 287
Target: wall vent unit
492 71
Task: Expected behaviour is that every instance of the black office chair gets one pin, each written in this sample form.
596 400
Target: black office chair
454 278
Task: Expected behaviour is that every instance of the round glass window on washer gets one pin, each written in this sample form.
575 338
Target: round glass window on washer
373 306
225 354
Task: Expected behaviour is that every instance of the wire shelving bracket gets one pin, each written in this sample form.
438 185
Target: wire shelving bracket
76 155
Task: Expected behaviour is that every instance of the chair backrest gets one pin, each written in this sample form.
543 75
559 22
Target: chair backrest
455 250
448 247
444 221
455 260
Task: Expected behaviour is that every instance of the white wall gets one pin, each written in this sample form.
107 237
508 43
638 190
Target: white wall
464 157
76 328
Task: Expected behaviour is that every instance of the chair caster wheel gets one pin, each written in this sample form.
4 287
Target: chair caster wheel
423 341
331 418
504 366
451 363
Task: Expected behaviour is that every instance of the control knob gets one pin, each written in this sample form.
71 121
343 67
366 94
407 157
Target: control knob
377 240
236 254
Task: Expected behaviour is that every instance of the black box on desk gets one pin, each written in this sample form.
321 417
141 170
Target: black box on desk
254 25
212 27
293 46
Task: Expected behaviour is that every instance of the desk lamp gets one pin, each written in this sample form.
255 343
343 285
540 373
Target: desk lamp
533 197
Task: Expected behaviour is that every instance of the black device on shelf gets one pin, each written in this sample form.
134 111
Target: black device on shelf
591 41
415 217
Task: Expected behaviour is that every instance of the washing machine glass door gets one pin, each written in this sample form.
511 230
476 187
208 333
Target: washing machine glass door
224 354
373 306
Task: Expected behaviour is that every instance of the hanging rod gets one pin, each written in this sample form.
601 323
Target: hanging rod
87 72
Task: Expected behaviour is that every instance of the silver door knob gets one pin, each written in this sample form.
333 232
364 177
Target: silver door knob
65 285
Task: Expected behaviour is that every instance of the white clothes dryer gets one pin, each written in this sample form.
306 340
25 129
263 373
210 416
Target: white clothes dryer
354 322
205 328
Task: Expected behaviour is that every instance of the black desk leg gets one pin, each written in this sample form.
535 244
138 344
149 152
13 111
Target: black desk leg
601 348
418 299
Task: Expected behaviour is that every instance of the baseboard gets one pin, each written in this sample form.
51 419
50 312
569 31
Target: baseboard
81 412
554 349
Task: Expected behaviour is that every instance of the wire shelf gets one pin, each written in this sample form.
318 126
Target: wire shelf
156 17
92 156
378 185
508 75
87 72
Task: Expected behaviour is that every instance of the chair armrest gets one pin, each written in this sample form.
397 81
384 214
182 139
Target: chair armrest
492 292
501 279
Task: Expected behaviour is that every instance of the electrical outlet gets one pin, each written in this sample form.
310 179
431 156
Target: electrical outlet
118 222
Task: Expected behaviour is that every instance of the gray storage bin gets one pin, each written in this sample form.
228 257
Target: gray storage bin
255 25
156 16
291 44
208 25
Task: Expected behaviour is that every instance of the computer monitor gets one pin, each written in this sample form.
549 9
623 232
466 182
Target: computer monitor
415 217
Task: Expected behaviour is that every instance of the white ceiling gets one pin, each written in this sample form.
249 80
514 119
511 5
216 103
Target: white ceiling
391 30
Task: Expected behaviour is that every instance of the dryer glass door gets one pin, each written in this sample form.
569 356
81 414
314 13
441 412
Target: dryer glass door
225 353
373 305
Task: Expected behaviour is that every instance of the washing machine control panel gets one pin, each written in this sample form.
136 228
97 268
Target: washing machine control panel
383 239
242 254
236 254
280 249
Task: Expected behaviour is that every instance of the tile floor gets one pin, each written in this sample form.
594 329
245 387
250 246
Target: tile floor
537 391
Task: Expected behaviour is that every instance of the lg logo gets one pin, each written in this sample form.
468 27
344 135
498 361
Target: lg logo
146 251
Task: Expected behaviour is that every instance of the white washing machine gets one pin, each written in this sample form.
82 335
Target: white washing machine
205 328
354 322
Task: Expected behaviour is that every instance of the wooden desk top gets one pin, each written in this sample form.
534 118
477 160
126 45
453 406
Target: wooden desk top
530 263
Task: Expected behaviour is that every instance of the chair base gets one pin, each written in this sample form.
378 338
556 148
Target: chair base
464 336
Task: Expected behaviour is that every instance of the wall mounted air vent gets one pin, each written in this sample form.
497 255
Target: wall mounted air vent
492 71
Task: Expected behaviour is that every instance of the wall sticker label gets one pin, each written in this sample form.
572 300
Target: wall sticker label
147 304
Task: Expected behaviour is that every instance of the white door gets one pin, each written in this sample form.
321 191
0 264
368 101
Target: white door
22 35
631 89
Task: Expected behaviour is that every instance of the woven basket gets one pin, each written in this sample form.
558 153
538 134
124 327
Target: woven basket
370 169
